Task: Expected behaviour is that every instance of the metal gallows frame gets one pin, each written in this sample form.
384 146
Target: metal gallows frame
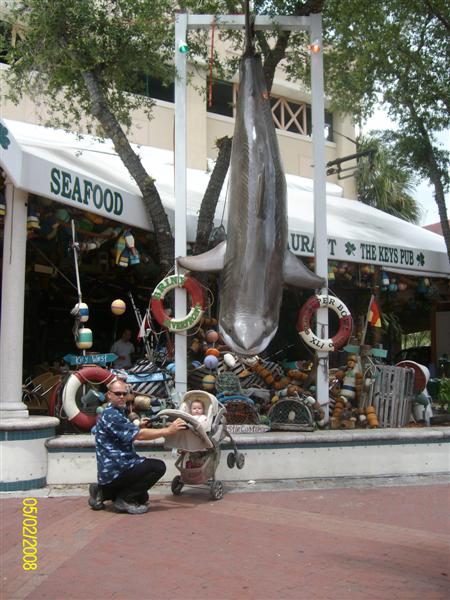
185 22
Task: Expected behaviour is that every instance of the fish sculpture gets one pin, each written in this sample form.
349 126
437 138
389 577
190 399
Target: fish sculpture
254 261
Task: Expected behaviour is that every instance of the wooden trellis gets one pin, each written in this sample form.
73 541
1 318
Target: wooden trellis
287 114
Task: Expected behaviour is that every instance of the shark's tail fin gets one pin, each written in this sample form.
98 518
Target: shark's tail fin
249 31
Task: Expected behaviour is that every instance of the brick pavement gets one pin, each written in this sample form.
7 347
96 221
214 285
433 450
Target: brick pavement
328 544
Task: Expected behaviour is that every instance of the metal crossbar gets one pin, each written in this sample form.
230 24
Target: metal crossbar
262 23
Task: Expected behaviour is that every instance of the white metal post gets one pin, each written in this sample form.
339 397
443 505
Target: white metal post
13 300
320 206
180 193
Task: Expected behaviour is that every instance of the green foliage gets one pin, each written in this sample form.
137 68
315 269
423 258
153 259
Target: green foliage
391 322
118 41
394 48
418 338
297 54
443 395
396 52
383 182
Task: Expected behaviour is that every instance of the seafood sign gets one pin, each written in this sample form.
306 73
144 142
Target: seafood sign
254 260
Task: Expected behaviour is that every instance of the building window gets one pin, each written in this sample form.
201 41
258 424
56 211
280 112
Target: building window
329 126
288 115
222 98
154 88
296 117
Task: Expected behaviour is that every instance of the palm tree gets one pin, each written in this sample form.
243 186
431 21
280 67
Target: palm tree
383 183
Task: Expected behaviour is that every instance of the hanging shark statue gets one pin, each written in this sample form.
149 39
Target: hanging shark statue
254 260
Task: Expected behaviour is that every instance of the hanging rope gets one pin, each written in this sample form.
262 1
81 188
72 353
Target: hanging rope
76 248
211 61
33 245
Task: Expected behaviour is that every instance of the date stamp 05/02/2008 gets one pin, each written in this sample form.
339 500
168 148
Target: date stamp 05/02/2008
29 534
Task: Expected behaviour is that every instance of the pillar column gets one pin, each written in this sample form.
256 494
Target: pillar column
320 201
12 308
180 154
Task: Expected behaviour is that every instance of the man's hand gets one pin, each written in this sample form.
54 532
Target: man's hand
153 434
176 426
145 422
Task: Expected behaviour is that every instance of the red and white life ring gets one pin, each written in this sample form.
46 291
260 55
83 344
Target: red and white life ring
305 317
195 291
93 374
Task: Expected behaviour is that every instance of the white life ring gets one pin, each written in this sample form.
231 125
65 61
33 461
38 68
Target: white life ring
195 291
92 374
305 317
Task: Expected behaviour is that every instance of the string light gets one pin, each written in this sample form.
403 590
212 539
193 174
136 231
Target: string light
183 47
315 46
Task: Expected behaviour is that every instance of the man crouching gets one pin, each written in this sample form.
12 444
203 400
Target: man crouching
123 476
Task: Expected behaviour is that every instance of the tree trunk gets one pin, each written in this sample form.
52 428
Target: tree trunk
440 201
146 184
211 197
209 202
433 173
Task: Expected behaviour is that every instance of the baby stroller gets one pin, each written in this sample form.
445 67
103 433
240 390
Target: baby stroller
199 444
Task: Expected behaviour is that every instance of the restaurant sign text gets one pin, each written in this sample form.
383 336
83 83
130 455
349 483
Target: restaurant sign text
85 193
356 251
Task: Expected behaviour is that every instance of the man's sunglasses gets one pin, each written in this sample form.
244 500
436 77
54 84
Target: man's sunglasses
119 393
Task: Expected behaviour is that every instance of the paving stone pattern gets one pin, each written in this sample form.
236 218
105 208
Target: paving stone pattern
327 544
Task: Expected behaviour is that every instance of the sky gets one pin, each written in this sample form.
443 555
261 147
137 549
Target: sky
423 192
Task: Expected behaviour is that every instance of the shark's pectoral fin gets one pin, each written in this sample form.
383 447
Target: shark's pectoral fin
211 261
295 273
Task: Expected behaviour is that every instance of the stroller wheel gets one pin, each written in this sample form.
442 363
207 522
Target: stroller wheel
231 460
177 485
240 460
216 490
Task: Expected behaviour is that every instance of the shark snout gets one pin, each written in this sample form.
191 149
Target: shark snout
248 335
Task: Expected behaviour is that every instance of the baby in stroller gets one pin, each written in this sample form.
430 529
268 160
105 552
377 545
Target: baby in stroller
199 445
198 411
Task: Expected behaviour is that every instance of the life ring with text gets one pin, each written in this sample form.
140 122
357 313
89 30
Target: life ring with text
195 291
306 315
94 375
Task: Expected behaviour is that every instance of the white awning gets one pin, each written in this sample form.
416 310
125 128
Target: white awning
86 173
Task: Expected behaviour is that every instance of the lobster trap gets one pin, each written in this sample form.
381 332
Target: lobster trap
241 412
291 414
228 384
391 394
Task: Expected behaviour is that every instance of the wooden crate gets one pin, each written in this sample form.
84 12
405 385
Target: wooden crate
391 395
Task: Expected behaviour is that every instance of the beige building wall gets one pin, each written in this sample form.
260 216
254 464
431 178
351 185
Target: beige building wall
205 128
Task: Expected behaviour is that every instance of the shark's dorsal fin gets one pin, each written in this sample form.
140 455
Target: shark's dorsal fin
211 261
295 273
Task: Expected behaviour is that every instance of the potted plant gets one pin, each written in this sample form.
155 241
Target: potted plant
443 395
443 399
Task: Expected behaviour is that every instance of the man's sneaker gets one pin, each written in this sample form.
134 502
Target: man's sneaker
128 507
95 497
143 498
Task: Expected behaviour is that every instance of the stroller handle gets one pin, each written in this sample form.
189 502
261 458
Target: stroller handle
164 418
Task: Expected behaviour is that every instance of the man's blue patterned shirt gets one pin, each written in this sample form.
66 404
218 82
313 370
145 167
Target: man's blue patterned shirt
114 435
